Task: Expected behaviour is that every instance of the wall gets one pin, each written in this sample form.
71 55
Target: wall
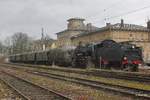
92 38
120 36
145 48
141 39
64 39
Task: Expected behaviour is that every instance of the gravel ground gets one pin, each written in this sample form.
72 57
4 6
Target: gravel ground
6 93
107 80
142 69
145 69
101 79
78 92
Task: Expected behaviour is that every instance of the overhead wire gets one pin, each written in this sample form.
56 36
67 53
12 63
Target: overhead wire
123 14
130 12
105 9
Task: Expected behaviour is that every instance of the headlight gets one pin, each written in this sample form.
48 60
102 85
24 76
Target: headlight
133 47
125 58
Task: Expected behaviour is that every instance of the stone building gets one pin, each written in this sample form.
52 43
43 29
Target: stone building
120 32
75 27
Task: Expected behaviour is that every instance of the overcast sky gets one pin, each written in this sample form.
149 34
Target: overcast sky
29 16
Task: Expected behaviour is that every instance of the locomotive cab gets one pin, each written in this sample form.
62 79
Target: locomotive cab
108 54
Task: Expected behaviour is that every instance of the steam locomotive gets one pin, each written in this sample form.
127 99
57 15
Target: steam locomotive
107 54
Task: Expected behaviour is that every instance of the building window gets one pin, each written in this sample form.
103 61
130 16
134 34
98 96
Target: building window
131 35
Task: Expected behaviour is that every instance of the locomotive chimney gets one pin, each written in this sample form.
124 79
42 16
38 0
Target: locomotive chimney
89 26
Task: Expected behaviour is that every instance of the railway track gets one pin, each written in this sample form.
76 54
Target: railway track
128 91
135 93
107 74
29 90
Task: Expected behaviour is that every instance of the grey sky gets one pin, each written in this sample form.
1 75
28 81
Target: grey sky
30 15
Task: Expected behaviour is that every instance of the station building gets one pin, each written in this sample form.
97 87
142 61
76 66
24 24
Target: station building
119 32
77 32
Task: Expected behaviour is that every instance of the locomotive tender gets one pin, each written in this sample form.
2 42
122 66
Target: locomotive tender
106 54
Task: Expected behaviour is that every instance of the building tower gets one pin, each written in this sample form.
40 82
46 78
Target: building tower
76 24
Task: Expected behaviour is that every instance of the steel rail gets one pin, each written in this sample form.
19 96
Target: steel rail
134 92
18 92
138 93
62 96
106 74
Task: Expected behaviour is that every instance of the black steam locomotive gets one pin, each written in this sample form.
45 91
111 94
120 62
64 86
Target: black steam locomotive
106 54
109 54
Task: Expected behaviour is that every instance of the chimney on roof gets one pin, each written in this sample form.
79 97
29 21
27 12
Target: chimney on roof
122 23
148 24
108 24
89 26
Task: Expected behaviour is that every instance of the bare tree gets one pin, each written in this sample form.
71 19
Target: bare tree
1 48
20 43
8 46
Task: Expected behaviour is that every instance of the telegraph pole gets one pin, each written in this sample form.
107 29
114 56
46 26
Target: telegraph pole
42 39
